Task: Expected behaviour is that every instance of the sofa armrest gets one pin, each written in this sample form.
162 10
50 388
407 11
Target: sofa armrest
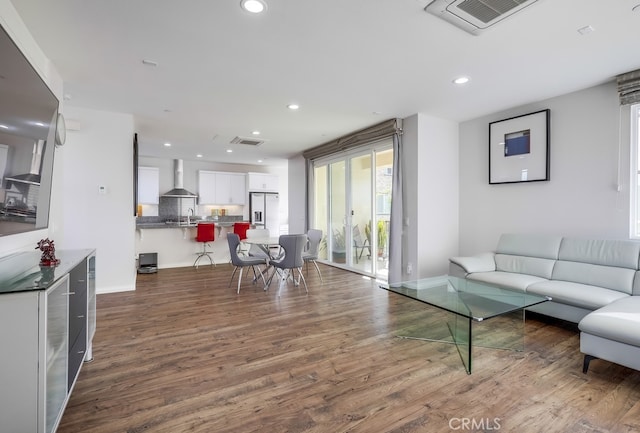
480 263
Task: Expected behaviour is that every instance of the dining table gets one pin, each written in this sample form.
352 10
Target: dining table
266 244
271 247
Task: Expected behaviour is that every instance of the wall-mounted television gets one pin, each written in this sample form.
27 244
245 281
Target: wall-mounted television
28 113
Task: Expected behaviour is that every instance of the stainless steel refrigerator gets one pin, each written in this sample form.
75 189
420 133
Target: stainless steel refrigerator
263 211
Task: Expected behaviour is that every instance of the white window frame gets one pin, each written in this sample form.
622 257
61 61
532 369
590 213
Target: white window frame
634 202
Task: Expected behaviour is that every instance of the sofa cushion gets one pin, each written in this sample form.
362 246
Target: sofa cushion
538 267
616 253
576 294
610 277
636 284
618 321
529 245
507 280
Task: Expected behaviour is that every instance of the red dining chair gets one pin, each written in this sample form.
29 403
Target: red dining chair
205 234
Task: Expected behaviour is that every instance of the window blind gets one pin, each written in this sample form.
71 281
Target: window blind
350 141
629 87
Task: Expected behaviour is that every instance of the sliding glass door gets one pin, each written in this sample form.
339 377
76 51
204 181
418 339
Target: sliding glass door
351 205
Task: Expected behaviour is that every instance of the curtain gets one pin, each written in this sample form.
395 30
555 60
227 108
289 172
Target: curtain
397 214
310 187
629 87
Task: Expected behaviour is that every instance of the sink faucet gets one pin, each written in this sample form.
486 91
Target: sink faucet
189 215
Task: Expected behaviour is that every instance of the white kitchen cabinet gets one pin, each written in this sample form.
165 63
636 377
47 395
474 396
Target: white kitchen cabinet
231 188
148 185
206 187
220 188
36 315
263 182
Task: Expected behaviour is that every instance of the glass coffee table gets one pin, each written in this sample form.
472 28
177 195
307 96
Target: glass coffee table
461 306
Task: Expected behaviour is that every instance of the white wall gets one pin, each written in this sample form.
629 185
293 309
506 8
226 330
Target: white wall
101 154
581 198
297 190
13 24
430 156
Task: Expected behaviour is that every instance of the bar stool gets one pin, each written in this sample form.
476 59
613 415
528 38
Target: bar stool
241 229
205 234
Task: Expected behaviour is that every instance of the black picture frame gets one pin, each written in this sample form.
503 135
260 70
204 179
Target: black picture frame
519 148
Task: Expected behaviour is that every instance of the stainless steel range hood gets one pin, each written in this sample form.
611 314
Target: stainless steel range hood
33 177
178 183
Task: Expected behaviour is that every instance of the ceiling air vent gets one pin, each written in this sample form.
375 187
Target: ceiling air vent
247 141
474 16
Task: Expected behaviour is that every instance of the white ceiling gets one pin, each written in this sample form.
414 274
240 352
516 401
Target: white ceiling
222 72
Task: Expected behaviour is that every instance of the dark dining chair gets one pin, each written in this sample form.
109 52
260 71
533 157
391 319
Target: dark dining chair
311 253
242 262
292 247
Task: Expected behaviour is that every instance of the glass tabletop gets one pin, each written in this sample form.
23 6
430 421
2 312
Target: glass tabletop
471 299
268 241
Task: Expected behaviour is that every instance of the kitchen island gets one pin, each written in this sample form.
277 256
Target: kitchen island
174 239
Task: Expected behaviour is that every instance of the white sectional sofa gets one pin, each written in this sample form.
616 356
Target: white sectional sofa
582 276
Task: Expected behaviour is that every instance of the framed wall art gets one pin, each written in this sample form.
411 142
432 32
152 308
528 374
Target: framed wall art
519 148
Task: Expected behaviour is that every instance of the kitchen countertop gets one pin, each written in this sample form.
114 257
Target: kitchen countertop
159 223
165 225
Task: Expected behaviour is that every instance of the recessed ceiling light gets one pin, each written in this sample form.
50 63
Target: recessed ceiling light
293 106
229 151
4 127
253 6
167 145
199 155
256 132
461 80
259 160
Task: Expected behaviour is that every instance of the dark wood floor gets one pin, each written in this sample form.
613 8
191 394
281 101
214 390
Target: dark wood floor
185 353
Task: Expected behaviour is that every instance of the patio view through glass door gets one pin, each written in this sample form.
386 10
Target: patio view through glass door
351 205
